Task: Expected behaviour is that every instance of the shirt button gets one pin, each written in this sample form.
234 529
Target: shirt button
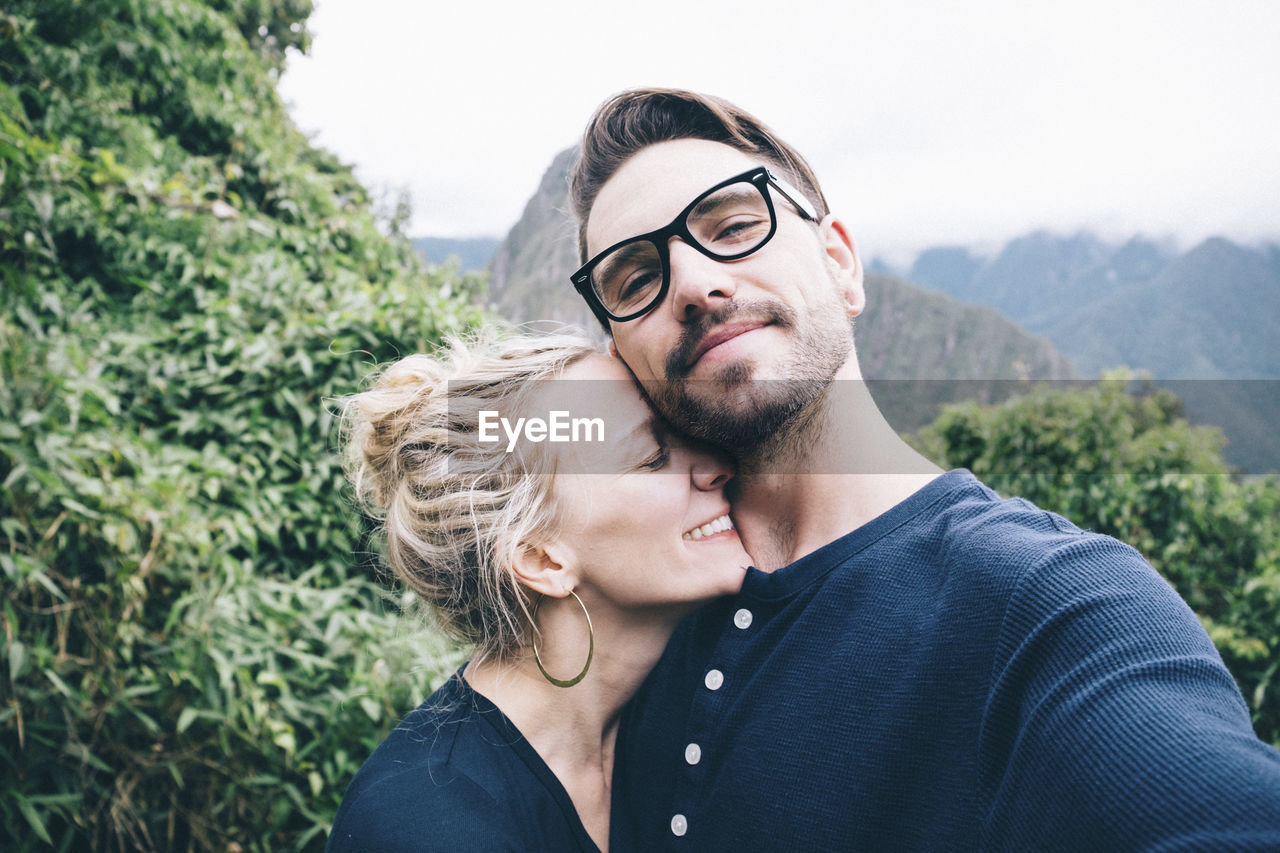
714 679
742 618
679 826
693 753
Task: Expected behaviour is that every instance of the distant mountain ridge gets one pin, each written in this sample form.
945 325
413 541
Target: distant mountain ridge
1207 313
529 276
1210 313
472 253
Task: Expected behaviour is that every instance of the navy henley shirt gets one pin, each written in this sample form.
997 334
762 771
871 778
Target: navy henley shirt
961 673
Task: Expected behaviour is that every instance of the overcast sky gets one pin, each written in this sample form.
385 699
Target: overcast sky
928 122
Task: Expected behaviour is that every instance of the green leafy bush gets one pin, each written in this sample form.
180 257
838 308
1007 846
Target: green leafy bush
191 657
1127 464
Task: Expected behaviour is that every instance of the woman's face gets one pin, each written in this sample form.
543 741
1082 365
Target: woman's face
646 521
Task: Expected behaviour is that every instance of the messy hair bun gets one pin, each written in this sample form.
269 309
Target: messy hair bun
454 512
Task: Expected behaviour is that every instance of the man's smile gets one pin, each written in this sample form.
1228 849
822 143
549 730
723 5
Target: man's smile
723 334
719 327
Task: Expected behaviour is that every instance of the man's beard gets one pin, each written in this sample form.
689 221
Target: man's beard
733 410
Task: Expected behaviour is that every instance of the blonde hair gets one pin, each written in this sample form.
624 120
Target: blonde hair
454 513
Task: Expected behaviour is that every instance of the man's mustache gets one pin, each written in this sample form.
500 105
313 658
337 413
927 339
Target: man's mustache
770 312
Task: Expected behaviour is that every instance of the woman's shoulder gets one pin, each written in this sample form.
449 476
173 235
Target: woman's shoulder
424 773
401 813
453 775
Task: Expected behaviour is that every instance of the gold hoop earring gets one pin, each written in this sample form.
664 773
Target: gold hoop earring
591 646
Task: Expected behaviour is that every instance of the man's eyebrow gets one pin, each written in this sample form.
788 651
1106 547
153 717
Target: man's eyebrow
721 197
629 250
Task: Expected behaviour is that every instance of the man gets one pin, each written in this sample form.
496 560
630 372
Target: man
914 663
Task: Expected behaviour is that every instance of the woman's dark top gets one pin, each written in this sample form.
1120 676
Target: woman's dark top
456 775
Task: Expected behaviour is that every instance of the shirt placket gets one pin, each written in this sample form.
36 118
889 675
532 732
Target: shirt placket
704 734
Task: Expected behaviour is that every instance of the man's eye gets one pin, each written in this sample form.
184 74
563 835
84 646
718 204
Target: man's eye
741 229
638 283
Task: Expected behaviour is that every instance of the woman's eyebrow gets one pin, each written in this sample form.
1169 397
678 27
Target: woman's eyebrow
650 427
649 431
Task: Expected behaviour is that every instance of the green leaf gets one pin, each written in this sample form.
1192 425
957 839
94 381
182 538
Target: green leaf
58 683
188 716
76 506
33 819
17 660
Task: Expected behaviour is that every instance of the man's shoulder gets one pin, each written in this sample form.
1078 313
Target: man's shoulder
958 521
1017 535
970 511
965 546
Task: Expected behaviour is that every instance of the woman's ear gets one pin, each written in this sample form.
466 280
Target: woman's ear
545 569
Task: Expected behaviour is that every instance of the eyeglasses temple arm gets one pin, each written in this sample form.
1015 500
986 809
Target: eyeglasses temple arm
794 196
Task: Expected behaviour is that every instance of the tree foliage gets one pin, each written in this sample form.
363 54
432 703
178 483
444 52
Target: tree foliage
1124 462
190 657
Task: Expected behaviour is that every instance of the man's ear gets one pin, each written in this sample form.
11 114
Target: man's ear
546 570
842 254
613 349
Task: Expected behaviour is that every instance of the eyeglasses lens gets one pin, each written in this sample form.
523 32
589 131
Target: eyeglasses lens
628 278
727 224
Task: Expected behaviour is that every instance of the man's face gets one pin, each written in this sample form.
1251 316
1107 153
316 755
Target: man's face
736 348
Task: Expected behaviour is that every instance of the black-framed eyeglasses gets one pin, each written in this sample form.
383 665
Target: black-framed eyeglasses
729 221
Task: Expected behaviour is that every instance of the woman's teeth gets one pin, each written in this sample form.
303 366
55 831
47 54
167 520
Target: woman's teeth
721 523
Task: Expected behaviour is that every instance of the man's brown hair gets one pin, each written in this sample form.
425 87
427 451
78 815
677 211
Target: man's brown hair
638 118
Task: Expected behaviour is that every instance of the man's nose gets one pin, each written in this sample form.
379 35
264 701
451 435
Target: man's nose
697 282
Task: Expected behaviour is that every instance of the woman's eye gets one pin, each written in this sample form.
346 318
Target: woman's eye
658 460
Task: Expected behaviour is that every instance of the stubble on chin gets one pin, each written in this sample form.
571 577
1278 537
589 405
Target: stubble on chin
736 411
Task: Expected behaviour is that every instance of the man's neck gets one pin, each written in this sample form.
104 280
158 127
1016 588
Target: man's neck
837 466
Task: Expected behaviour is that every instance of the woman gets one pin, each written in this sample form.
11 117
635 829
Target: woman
566 565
